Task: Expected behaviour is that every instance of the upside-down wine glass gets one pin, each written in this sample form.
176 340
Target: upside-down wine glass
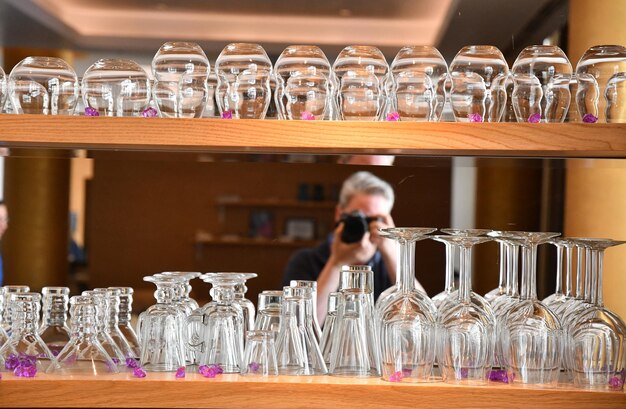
466 328
407 317
596 338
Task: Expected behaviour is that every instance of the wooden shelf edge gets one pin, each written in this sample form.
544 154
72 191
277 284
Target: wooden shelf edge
320 137
233 391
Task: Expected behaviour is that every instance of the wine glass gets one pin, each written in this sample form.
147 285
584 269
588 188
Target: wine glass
3 90
478 74
361 73
563 248
542 75
596 349
594 72
418 75
407 317
465 329
180 71
43 85
531 334
304 89
116 87
243 81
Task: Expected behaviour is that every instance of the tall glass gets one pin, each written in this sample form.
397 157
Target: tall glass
596 348
531 335
269 310
54 330
104 337
124 318
329 325
542 75
246 305
407 317
478 74
112 302
418 74
5 297
466 329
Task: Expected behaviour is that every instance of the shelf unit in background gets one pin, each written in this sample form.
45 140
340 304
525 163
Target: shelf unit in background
300 137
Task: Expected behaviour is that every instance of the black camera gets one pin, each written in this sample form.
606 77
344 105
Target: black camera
355 225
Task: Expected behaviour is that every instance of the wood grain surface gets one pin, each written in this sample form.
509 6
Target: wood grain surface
324 137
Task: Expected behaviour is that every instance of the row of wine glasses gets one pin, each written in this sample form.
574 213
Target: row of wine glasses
459 336
359 85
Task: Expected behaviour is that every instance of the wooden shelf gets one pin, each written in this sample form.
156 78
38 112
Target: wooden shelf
234 391
267 203
319 137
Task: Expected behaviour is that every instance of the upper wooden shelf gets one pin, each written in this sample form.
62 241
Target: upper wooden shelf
233 391
323 137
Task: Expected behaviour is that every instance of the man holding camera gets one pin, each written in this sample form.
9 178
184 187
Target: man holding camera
364 207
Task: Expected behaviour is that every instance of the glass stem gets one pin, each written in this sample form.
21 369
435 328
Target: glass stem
407 273
559 269
599 296
502 278
465 285
514 266
568 272
579 272
587 274
594 277
449 288
533 272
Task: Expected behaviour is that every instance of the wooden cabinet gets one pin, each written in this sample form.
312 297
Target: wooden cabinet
306 137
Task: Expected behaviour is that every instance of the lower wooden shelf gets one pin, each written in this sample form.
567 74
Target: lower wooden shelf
328 392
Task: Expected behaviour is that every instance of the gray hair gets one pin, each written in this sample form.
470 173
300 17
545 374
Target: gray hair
365 183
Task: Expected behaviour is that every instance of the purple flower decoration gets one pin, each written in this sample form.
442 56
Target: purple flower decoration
218 368
139 372
180 372
616 383
149 113
464 373
254 367
207 371
590 119
307 116
535 118
475 117
26 370
393 116
89 111
130 363
396 377
227 115
499 375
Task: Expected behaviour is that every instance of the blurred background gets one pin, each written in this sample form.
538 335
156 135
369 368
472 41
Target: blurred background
100 218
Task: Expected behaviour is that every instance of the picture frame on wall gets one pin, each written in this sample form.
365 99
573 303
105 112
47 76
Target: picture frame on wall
300 229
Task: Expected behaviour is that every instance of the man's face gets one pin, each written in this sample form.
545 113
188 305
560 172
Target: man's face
4 219
370 205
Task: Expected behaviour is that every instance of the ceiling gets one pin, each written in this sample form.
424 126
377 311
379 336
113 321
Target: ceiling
142 25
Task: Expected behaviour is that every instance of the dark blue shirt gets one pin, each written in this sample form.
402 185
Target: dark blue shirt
308 263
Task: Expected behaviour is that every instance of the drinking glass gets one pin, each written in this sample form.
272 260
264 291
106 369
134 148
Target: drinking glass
259 358
304 89
112 302
25 349
3 90
355 348
418 81
502 276
246 305
406 244
124 318
182 278
313 286
478 74
104 337
407 317
572 307
83 354
615 95
594 72
54 330
180 71
221 324
531 334
269 310
160 329
329 325
116 87
596 347
43 85
466 329
243 81
563 248
297 349
5 296
361 73
541 75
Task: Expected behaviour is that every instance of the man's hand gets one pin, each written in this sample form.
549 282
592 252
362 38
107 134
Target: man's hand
351 253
